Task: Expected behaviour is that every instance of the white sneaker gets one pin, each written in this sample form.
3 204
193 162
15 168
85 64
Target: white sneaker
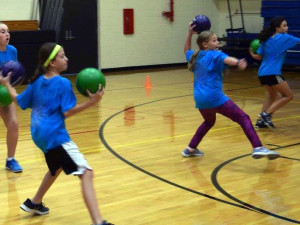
263 151
195 152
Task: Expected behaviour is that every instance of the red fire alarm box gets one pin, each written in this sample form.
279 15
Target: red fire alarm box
128 21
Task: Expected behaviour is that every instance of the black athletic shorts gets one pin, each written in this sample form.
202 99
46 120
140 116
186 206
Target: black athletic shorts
271 80
68 157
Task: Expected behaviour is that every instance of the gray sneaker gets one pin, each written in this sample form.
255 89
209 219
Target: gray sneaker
263 151
188 153
267 119
260 124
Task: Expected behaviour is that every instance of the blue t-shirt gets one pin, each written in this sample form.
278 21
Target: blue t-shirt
10 54
48 99
208 80
274 51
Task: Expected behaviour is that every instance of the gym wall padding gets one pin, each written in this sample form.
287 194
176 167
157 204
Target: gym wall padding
28 44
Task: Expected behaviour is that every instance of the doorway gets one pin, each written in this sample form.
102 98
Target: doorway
75 23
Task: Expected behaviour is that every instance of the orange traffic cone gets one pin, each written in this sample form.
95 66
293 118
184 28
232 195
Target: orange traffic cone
148 82
148 92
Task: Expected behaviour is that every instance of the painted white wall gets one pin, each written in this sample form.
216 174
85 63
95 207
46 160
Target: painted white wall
156 40
253 22
18 9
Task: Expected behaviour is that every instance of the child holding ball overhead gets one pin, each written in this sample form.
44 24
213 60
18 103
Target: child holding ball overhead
52 99
207 64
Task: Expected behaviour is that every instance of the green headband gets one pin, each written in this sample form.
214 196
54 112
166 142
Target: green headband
52 55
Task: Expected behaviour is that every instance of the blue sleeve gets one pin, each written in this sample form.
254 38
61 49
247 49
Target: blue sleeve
288 41
16 54
219 59
67 98
10 54
189 54
25 98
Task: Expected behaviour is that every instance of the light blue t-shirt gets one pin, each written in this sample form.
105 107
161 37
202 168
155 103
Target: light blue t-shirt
10 54
48 99
208 80
273 53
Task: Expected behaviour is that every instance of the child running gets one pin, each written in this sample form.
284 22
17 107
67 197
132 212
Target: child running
52 99
274 45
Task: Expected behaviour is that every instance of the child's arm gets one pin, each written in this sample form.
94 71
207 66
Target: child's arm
232 61
93 100
255 56
6 82
188 40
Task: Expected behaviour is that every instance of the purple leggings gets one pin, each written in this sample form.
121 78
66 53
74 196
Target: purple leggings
233 112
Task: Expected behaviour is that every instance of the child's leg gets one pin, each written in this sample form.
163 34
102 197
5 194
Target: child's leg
89 196
209 116
35 205
233 112
45 185
9 116
286 96
272 97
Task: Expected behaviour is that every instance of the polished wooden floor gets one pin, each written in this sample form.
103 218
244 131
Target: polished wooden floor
133 140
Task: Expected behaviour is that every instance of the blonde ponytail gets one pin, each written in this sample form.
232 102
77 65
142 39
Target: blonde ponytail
192 62
204 36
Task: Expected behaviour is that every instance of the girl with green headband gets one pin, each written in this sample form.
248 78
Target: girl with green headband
52 99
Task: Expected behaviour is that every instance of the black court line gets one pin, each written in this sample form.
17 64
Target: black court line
102 138
284 157
241 205
219 188
277 146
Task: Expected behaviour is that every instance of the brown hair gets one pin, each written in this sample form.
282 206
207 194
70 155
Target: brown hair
267 32
44 53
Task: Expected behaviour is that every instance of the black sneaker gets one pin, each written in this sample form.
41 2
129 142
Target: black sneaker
31 207
267 119
260 124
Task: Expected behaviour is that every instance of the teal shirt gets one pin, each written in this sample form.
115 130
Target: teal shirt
48 99
208 80
10 54
273 53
